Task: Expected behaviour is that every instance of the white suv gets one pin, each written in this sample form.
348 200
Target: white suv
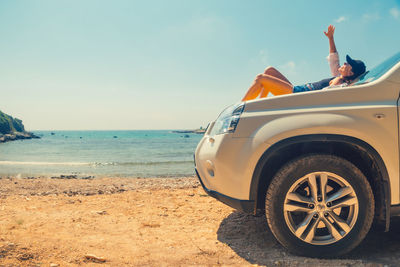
322 164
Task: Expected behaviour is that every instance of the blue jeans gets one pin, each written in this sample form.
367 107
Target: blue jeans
303 88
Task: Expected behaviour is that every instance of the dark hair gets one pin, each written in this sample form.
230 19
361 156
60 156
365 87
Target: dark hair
357 67
347 79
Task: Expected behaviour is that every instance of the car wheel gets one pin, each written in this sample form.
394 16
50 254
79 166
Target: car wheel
319 206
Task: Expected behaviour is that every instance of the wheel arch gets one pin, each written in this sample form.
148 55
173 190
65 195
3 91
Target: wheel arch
358 152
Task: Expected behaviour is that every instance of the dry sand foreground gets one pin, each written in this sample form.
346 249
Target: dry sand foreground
147 222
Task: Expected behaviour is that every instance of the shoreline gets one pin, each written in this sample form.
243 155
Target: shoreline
44 186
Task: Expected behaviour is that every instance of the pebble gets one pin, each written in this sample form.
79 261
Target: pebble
54 265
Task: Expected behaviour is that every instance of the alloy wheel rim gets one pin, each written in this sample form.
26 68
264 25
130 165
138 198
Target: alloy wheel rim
321 208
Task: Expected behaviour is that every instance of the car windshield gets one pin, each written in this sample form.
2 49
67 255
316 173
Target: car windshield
379 70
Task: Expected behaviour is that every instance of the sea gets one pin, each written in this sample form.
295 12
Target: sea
136 153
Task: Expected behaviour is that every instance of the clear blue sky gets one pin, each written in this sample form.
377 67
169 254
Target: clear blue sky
170 64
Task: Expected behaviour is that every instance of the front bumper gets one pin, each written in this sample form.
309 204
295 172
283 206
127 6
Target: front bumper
247 206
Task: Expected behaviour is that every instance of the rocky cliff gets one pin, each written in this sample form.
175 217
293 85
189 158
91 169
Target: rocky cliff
12 129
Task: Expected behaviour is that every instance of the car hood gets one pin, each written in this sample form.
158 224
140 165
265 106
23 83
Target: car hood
382 91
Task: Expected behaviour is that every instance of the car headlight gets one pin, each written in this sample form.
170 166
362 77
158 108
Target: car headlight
228 120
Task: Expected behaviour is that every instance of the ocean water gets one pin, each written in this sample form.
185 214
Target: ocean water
138 153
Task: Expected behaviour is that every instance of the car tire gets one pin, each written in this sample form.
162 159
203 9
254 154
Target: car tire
319 205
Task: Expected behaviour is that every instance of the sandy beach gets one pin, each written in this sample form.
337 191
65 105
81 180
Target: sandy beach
147 222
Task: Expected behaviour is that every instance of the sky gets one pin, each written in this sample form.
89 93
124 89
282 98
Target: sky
176 64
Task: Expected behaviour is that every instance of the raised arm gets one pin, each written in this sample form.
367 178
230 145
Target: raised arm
333 57
329 34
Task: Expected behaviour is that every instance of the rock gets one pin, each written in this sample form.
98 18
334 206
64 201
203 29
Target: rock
94 258
101 212
54 265
10 137
35 136
12 129
17 136
24 256
72 176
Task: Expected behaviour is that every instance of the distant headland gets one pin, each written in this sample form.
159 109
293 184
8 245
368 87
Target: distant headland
12 129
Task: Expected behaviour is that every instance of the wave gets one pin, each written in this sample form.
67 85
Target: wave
95 163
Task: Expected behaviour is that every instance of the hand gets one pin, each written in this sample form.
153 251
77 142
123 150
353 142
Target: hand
331 31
